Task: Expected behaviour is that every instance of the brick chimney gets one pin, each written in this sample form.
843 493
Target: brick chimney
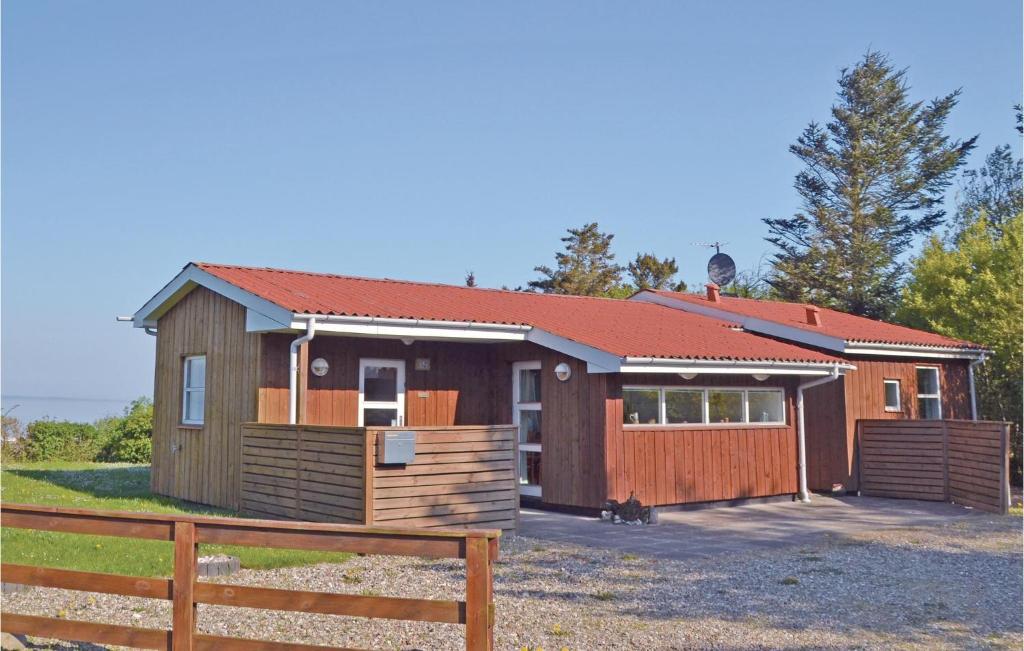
813 315
713 292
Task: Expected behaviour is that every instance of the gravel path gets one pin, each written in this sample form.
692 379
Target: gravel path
956 585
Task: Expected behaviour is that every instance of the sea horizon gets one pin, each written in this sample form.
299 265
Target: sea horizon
29 408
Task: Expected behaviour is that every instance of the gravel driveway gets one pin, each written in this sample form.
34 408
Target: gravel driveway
952 585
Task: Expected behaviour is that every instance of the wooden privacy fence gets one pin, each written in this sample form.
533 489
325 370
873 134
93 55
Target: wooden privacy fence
461 476
479 548
961 461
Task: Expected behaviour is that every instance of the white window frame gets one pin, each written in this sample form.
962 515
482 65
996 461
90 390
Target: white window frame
938 387
398 404
899 396
526 489
186 390
746 391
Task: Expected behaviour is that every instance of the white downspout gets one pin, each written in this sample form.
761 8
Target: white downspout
970 382
293 375
804 495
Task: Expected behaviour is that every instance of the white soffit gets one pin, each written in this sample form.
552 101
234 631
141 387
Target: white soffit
192 276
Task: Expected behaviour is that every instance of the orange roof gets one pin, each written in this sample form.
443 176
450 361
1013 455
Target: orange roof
840 325
623 328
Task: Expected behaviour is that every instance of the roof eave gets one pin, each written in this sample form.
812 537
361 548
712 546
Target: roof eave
732 367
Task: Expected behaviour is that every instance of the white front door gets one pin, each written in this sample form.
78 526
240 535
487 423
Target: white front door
526 414
381 392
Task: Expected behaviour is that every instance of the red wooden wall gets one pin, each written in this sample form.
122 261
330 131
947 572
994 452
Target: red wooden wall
831 433
685 464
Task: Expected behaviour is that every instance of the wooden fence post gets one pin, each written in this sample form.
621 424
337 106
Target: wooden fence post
479 595
946 496
369 461
185 566
1004 469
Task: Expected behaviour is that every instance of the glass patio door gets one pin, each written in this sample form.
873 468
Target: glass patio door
381 392
526 414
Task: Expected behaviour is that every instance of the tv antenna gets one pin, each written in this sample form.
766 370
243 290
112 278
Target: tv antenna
716 245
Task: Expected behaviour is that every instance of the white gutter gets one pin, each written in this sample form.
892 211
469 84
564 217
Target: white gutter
371 326
970 382
801 437
732 367
293 375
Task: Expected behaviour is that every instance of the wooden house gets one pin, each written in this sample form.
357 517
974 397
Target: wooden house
276 390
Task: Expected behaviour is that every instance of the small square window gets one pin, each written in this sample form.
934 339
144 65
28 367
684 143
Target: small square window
892 395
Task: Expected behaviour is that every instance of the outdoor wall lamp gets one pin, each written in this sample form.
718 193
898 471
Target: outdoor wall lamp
563 372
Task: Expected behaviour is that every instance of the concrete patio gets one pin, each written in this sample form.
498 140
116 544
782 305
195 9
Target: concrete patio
683 535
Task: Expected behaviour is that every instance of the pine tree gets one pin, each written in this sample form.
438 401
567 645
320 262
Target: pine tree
996 190
873 180
586 268
647 271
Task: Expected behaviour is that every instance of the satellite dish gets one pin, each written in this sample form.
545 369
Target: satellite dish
721 269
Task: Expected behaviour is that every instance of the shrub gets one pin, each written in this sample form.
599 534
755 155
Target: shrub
130 439
61 440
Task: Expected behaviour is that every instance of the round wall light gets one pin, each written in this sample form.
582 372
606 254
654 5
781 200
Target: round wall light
563 372
687 376
761 377
319 366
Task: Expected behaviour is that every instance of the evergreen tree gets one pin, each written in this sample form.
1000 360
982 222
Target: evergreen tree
647 271
586 267
995 189
874 178
972 289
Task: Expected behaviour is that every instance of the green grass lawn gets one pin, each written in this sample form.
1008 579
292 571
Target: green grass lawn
118 487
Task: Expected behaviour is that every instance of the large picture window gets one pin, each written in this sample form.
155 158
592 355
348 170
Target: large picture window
697 406
193 399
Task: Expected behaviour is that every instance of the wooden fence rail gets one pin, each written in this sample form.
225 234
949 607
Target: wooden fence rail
479 548
961 461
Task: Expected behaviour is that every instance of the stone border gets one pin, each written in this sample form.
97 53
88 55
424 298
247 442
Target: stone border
218 565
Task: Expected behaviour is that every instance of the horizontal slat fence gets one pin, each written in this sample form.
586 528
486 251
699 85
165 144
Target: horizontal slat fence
479 548
304 472
461 477
965 462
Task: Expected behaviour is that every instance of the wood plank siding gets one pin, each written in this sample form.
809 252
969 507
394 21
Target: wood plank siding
202 463
832 411
668 464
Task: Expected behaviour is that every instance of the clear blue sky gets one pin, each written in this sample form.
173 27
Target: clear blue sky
415 140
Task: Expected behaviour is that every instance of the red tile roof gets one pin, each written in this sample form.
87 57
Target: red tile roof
623 328
833 323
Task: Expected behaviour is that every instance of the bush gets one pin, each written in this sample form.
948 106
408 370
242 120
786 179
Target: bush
129 439
61 440
12 448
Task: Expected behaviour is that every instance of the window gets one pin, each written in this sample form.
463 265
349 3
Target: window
892 395
640 406
686 405
929 400
194 398
381 392
527 415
